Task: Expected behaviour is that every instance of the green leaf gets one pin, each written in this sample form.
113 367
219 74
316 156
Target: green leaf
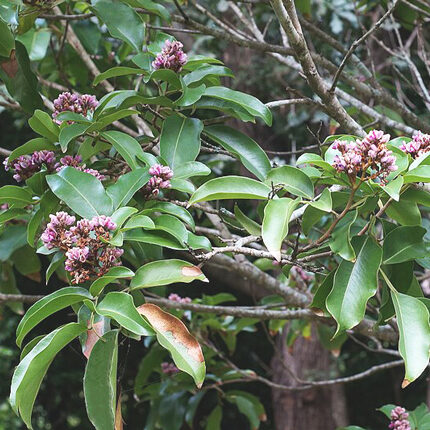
229 108
11 239
173 226
29 373
165 272
120 307
190 95
171 209
20 80
105 120
180 140
173 335
117 71
231 187
191 168
246 406
205 71
70 132
112 274
123 190
31 146
9 214
414 334
195 241
160 238
314 159
214 419
100 382
127 146
340 242
277 215
48 305
243 147
419 174
393 188
293 180
120 216
405 212
139 221
14 195
324 202
403 244
318 304
36 43
82 192
43 124
7 42
122 22
57 260
248 224
246 101
354 284
155 8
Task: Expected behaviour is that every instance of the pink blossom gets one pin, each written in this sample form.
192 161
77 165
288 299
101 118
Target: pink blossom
176 298
171 57
160 179
419 145
26 166
81 104
399 419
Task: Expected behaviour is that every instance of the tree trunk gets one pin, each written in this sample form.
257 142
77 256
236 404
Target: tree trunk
316 409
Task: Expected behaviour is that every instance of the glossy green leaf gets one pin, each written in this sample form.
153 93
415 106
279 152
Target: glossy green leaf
120 216
277 215
195 241
190 169
31 146
214 419
42 123
205 71
14 195
354 284
173 226
324 202
414 334
403 244
36 42
180 140
127 146
251 104
70 132
122 22
120 307
248 405
173 335
240 145
419 174
29 373
48 305
57 260
117 71
100 382
117 272
248 224
404 212
314 159
393 188
165 272
293 180
154 237
231 187
123 190
340 242
82 192
171 209
318 304
139 221
11 239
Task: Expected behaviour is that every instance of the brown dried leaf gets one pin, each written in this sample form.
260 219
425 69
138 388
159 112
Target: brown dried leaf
93 336
10 67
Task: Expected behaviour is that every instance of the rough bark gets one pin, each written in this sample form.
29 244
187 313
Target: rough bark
316 409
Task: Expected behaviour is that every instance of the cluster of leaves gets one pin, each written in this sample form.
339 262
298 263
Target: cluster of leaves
374 243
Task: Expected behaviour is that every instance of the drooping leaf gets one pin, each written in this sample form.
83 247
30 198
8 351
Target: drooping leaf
7 42
414 334
340 242
29 373
246 149
123 190
122 22
173 335
214 419
166 272
120 307
139 221
293 180
231 187
248 224
277 215
126 145
324 202
112 274
318 304
42 123
180 140
82 192
48 305
404 243
100 382
354 284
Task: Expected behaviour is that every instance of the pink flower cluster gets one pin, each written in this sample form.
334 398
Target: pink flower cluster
171 57
371 152
67 102
75 161
399 419
160 179
419 145
169 368
176 298
87 255
26 166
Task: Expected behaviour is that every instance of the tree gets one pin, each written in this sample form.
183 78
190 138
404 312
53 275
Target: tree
110 198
